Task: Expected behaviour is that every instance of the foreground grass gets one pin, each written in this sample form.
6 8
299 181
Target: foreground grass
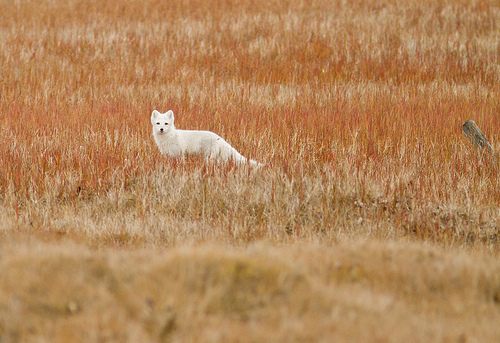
373 219
210 293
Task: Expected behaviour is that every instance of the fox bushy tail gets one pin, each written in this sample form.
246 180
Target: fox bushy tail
227 152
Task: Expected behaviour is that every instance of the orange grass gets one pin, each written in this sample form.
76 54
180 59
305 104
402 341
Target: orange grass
356 108
374 95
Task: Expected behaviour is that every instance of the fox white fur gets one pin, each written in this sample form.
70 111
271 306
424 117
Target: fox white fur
178 143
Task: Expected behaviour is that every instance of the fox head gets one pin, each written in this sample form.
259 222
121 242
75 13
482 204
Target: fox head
162 123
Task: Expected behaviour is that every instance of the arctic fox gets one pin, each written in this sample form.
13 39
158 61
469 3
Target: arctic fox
178 143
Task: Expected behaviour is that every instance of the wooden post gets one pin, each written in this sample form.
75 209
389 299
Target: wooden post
472 131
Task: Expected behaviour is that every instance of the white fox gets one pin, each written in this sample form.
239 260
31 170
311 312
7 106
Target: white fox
177 143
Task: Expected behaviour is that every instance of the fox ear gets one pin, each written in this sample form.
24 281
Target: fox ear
170 114
154 115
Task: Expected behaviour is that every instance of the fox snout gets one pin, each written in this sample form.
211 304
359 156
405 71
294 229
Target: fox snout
161 129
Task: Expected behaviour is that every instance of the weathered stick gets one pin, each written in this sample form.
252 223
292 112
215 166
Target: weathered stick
472 131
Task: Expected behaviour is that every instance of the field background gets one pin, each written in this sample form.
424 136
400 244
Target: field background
374 219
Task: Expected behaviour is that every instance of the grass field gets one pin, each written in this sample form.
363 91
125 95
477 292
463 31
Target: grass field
373 220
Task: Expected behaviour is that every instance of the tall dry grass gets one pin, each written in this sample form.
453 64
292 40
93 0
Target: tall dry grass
356 108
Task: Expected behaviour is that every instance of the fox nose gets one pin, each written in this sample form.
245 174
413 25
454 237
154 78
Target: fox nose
161 130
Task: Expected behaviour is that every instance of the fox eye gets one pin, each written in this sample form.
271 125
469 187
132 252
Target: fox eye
157 123
166 123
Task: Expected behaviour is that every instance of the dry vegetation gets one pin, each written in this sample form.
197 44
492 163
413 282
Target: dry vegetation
374 220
